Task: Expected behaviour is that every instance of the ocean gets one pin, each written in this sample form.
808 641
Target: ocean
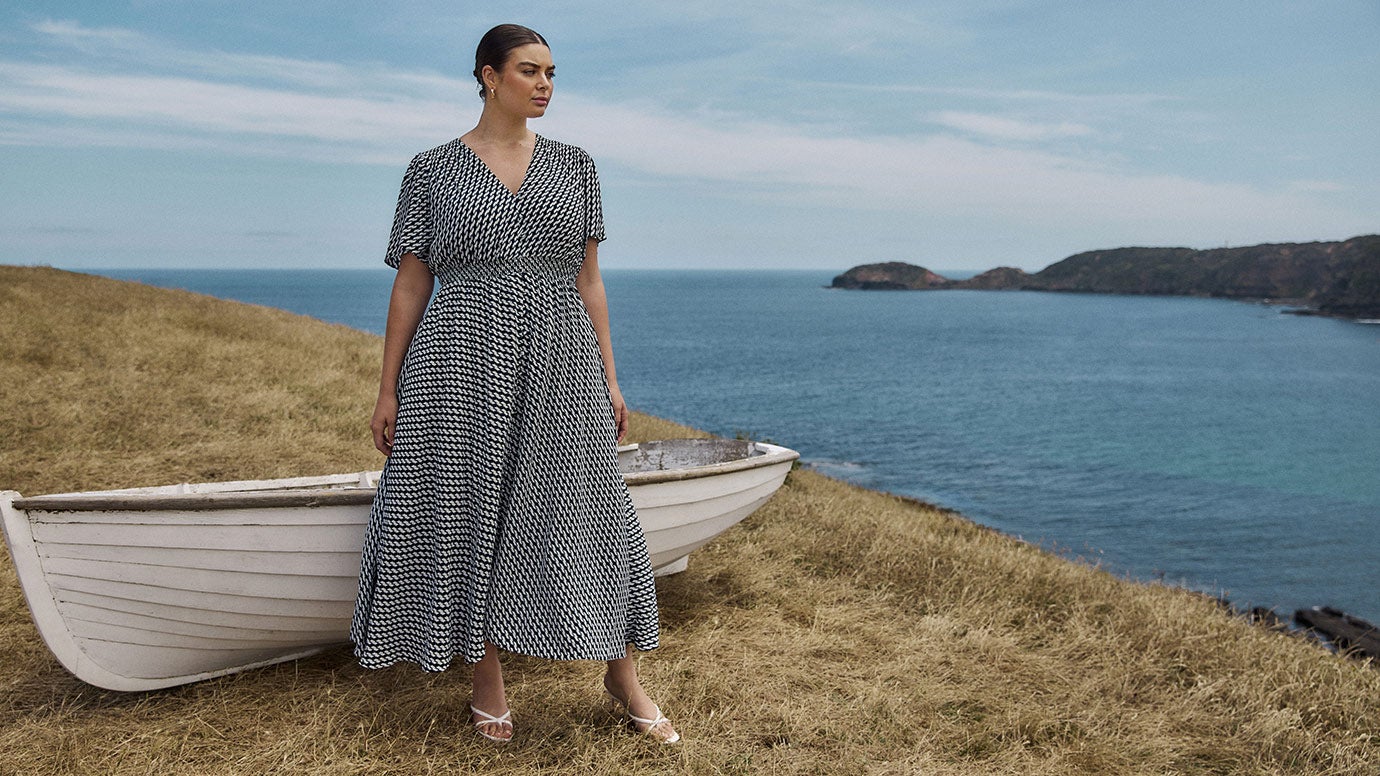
1222 446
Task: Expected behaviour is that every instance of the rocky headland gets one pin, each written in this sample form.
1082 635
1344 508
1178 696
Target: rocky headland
1328 278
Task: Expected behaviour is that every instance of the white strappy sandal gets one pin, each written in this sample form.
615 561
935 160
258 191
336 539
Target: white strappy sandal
489 719
634 720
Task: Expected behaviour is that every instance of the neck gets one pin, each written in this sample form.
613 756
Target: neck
500 127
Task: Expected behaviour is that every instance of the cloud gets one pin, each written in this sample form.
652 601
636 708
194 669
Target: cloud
919 174
1318 186
130 49
1099 101
837 27
62 229
1003 128
159 96
226 115
86 37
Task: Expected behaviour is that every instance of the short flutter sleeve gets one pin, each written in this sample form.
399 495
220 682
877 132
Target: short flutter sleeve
412 226
594 203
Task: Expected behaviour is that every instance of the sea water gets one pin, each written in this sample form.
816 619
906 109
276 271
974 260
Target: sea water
1223 446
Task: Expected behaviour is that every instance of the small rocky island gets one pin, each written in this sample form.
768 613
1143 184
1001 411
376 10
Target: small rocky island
1330 278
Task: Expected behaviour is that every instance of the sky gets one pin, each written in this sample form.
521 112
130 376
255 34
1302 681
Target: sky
728 135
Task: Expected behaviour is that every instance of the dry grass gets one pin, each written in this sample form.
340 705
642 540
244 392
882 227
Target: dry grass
838 630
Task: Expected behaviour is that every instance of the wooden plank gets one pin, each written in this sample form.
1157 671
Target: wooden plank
193 502
689 491
677 541
336 515
329 564
367 479
671 539
284 539
175 665
334 617
229 634
83 629
689 506
217 601
284 586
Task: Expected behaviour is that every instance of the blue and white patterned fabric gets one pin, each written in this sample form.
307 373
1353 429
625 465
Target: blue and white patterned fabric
501 515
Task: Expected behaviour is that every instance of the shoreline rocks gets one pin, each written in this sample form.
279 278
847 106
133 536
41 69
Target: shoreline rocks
1326 626
1350 635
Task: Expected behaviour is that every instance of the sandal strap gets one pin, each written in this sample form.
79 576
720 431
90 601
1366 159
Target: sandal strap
650 723
490 719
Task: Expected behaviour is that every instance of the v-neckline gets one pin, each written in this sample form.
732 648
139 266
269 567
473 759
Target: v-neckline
531 160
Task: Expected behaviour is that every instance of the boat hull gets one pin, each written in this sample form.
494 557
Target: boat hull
155 587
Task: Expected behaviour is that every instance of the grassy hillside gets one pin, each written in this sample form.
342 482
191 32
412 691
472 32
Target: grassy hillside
838 630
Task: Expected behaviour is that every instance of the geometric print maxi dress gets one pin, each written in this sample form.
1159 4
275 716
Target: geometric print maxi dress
501 515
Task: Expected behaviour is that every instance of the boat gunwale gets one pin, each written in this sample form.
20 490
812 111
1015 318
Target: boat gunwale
337 496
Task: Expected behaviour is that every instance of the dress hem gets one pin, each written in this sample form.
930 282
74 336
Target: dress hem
376 665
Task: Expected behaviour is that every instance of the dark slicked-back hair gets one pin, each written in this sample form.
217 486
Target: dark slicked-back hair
494 47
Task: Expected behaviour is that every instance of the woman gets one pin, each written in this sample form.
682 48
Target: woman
501 520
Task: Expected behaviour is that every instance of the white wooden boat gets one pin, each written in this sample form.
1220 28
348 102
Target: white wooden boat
154 587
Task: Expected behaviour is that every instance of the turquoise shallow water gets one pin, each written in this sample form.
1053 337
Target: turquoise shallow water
1219 445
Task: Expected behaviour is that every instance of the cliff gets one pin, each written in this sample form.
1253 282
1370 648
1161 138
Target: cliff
1332 278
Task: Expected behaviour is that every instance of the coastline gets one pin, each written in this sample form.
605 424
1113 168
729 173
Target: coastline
838 628
1269 505
1306 624
1338 278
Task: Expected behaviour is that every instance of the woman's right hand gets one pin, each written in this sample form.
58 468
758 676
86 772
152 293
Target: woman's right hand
384 422
411 292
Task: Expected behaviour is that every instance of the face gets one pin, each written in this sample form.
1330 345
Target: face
524 85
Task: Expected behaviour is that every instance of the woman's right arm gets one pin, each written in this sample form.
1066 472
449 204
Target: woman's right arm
411 291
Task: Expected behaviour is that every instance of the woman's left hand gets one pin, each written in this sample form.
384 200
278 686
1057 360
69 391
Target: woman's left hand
620 411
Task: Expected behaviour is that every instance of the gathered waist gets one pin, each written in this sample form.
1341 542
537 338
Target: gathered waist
512 286
489 275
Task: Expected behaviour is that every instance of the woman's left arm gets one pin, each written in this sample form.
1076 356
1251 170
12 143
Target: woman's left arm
591 287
